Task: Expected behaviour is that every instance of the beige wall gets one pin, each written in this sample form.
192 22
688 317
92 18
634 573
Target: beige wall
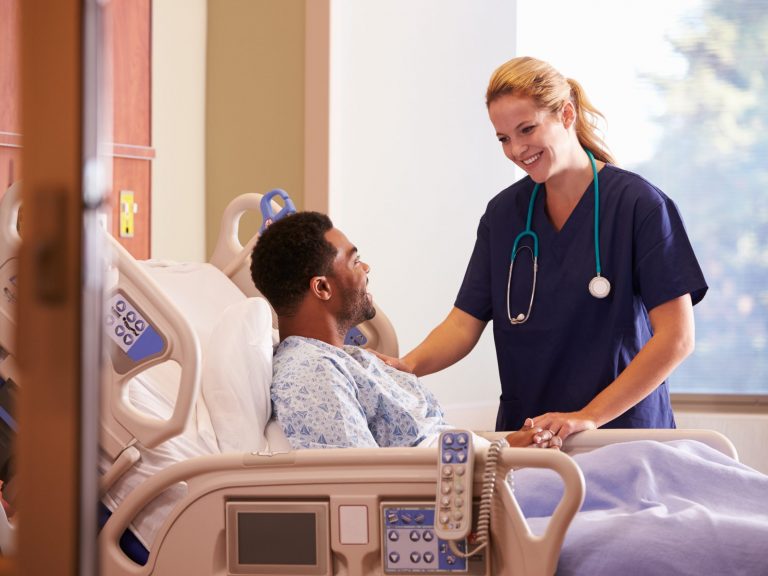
228 114
178 129
254 104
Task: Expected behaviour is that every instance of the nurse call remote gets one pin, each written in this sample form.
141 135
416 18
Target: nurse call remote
453 517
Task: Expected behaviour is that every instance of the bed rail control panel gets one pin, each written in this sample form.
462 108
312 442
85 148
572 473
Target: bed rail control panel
454 484
8 282
410 544
135 338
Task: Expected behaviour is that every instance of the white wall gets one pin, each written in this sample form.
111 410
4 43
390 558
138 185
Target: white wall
414 160
178 129
746 430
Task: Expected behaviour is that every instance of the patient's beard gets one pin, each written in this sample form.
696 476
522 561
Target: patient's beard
358 307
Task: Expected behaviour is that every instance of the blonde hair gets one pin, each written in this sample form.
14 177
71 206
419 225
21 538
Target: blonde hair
536 79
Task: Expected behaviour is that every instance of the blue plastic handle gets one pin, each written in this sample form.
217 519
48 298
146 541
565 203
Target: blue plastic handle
269 214
355 338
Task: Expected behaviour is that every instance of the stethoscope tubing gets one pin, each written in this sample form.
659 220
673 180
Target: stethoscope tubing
598 267
520 318
602 286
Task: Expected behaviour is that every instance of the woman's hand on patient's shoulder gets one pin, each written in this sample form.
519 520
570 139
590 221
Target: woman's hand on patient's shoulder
532 436
396 363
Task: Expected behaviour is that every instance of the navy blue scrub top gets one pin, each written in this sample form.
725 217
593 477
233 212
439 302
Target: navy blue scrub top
574 345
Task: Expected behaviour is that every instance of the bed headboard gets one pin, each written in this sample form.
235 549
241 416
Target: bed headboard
234 259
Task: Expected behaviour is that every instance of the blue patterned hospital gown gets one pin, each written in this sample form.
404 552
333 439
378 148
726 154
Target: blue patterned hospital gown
329 397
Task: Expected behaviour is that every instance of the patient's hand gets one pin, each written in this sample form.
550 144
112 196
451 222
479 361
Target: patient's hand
530 436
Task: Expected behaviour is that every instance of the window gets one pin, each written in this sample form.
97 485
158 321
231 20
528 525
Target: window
682 89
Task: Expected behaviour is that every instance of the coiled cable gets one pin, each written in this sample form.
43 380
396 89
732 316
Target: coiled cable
483 532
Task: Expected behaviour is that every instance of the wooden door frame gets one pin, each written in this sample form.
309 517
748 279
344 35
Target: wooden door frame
56 520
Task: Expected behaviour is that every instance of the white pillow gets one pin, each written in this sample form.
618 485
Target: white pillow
200 291
237 374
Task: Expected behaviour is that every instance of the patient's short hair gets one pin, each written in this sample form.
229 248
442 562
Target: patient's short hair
289 253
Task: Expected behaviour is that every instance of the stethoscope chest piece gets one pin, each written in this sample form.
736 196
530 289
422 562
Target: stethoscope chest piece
599 287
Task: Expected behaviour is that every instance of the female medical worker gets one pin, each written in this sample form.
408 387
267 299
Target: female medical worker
585 270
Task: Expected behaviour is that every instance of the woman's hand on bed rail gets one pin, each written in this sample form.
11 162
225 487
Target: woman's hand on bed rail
563 424
533 436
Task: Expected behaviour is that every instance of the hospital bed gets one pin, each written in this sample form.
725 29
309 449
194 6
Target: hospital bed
9 374
192 464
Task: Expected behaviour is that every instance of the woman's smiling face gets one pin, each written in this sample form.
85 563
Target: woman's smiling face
532 137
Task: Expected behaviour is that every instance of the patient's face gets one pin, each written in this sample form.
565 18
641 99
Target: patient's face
350 281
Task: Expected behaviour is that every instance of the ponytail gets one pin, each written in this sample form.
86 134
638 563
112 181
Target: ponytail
536 79
587 119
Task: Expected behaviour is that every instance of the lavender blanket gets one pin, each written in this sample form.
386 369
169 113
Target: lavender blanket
655 508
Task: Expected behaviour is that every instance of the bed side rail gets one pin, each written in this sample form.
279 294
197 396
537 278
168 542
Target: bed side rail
10 242
144 328
342 477
591 439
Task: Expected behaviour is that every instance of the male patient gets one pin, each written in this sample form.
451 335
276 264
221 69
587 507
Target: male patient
326 394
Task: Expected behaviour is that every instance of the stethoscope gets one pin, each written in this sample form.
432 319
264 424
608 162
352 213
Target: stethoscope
599 286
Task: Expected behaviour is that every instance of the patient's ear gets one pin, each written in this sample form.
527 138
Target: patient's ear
320 287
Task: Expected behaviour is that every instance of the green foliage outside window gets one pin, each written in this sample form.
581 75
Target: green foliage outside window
712 159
